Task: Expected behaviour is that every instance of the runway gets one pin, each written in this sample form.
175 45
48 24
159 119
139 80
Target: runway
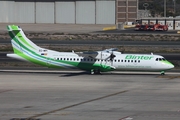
80 96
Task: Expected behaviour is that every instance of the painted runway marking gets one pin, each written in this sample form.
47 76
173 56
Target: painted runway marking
3 91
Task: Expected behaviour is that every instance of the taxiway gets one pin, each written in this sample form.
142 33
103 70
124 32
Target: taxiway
80 96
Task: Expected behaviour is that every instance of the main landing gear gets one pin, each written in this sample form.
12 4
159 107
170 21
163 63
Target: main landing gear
96 71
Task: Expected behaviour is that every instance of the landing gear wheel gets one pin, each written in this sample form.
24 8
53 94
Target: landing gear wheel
97 71
162 73
92 72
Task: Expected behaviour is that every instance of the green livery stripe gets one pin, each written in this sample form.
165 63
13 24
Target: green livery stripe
49 63
167 62
14 27
24 41
36 61
29 58
14 38
18 34
21 45
85 66
23 48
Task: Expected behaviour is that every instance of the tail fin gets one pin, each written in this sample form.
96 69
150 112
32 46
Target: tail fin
19 40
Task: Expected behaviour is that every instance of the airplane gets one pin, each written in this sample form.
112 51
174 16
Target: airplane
94 62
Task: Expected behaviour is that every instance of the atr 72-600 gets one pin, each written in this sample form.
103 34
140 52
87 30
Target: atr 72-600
94 62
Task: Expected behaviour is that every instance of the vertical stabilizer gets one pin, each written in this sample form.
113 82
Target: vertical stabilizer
19 40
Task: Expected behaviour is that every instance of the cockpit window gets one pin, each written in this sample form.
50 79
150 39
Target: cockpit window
163 59
160 59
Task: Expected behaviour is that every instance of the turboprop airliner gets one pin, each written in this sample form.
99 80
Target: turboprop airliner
94 62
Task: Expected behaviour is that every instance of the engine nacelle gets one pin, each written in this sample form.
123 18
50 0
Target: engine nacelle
102 55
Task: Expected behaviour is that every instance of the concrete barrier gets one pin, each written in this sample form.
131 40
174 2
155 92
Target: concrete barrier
129 26
110 28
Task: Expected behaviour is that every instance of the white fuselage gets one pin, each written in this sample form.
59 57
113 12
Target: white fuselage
96 61
135 62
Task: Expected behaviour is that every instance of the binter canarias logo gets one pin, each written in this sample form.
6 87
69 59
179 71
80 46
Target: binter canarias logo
138 57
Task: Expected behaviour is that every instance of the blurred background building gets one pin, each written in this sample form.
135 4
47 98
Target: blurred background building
68 11
89 11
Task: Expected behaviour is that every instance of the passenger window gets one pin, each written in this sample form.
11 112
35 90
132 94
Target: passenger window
121 60
131 60
156 59
77 59
128 60
138 61
135 61
124 60
64 58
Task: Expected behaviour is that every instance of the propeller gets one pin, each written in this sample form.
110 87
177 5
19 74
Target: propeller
112 56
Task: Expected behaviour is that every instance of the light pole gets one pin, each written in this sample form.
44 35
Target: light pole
174 7
127 11
164 8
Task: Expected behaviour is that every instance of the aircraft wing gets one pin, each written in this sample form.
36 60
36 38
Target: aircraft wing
103 55
88 54
110 50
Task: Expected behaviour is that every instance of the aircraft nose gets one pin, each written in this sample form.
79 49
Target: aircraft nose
171 66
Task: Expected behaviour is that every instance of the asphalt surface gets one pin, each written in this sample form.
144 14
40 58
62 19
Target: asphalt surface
79 96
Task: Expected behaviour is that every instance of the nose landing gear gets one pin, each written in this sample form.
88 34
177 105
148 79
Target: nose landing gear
162 72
